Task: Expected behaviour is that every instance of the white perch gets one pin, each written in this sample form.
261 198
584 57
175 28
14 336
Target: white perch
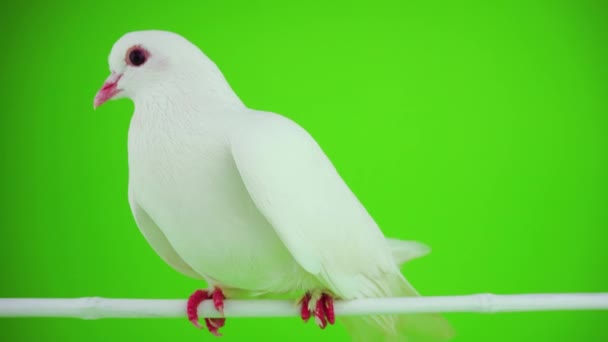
96 307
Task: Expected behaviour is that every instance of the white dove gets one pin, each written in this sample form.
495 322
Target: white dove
246 200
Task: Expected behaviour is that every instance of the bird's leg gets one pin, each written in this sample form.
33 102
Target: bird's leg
328 304
192 308
319 304
212 324
304 311
218 300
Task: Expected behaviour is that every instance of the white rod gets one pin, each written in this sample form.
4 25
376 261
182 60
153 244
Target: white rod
96 307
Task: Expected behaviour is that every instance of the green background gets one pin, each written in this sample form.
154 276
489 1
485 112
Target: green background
478 128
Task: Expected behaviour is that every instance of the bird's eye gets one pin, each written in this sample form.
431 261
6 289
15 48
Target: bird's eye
137 57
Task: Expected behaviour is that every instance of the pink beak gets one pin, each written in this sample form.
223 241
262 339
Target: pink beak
108 91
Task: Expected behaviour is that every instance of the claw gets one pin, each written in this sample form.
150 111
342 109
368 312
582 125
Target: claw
218 300
193 302
305 312
329 308
197 325
220 322
320 314
321 305
212 324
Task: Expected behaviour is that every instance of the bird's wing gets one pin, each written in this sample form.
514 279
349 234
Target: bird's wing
315 214
156 238
324 226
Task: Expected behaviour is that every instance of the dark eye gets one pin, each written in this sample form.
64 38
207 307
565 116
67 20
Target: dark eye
137 56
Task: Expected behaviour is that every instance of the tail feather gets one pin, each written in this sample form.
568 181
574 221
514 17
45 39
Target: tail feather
399 328
404 251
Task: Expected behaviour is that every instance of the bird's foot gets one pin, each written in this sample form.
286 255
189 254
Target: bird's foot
320 305
217 296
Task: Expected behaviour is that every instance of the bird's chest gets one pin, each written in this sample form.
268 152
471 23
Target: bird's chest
176 166
191 188
170 169
184 180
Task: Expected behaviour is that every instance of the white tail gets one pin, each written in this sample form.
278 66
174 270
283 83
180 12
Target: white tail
404 328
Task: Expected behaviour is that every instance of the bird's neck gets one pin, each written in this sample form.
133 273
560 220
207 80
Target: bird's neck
179 108
192 93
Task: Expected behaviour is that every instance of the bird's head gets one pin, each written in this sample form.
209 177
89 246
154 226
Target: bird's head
149 60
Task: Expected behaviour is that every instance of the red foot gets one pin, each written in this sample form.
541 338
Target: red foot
305 312
323 311
212 324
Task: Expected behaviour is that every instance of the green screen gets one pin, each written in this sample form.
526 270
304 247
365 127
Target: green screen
478 128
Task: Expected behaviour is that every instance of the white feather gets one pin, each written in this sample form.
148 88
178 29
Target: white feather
246 199
314 213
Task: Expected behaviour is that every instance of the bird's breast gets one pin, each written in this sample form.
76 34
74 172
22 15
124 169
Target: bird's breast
189 185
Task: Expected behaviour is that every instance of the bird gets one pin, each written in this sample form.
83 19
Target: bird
246 200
